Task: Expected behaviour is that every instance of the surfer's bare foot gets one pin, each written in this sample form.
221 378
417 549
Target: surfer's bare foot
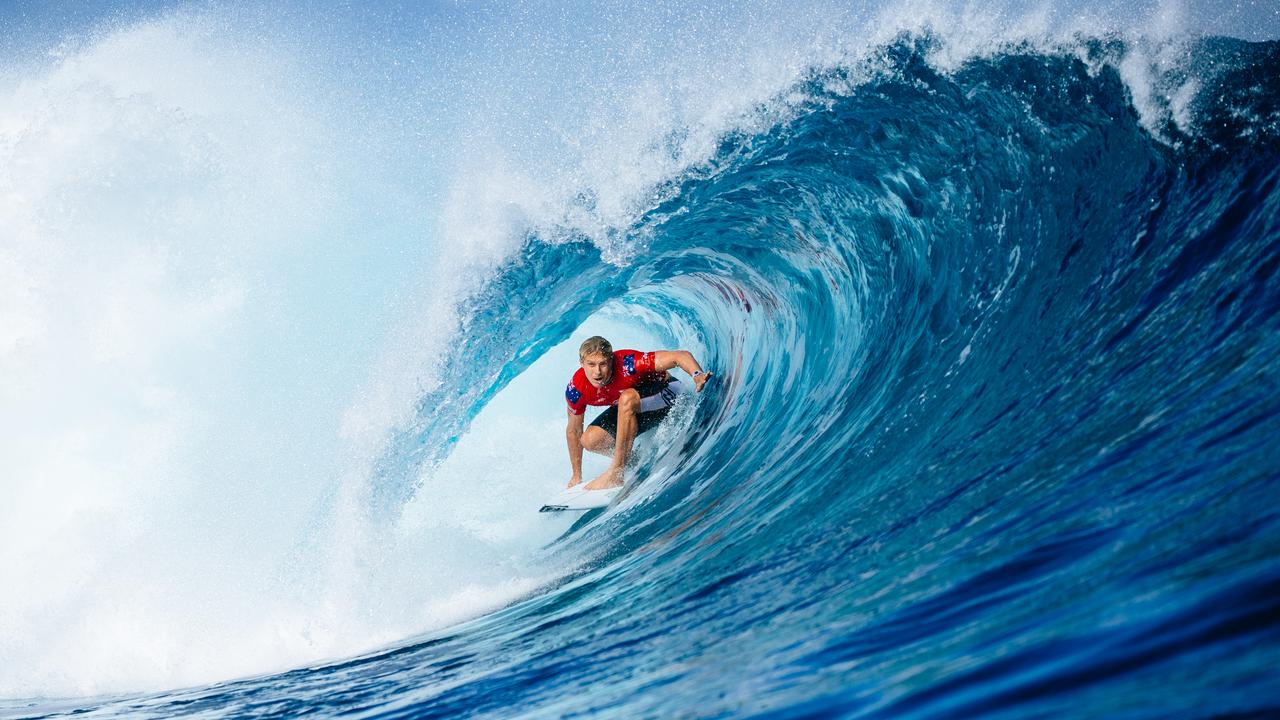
608 479
575 480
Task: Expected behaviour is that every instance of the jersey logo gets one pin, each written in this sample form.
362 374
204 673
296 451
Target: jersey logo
572 394
629 364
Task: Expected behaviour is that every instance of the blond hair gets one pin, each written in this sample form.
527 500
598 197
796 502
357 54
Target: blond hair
595 345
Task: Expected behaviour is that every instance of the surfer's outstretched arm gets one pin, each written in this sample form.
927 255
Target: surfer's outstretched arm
666 359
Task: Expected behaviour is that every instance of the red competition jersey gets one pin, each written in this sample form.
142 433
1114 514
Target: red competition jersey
629 368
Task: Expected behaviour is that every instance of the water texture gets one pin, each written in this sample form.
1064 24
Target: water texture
993 432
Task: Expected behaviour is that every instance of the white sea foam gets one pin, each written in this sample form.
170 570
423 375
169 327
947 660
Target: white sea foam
182 325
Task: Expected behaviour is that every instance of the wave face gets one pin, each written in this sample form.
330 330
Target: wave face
993 432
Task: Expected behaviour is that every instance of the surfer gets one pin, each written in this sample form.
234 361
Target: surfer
640 391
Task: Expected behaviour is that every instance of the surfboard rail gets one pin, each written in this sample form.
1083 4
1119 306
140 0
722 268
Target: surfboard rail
579 498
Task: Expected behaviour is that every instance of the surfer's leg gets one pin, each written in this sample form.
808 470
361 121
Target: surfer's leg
628 408
597 440
600 433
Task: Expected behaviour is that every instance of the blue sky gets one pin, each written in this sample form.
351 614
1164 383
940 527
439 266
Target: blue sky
28 24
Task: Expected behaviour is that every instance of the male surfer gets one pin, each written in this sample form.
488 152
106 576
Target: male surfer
640 391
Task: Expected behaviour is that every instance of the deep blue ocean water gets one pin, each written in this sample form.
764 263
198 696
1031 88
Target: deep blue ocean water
993 433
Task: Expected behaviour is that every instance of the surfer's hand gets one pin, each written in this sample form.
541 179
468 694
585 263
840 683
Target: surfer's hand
700 379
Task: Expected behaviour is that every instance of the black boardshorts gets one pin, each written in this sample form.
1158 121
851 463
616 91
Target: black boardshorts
656 399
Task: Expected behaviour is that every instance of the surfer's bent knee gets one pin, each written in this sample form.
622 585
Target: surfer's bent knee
629 401
600 441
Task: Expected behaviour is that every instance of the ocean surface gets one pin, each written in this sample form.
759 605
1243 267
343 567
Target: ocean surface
286 321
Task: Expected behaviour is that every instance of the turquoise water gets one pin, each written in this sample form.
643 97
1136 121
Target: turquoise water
992 432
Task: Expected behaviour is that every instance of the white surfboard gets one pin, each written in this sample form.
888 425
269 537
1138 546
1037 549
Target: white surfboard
579 498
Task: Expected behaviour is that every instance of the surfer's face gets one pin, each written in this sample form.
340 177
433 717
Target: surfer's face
597 367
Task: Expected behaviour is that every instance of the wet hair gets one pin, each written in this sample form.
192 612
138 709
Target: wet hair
595 345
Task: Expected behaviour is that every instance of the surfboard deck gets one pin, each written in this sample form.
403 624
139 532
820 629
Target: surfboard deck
577 499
